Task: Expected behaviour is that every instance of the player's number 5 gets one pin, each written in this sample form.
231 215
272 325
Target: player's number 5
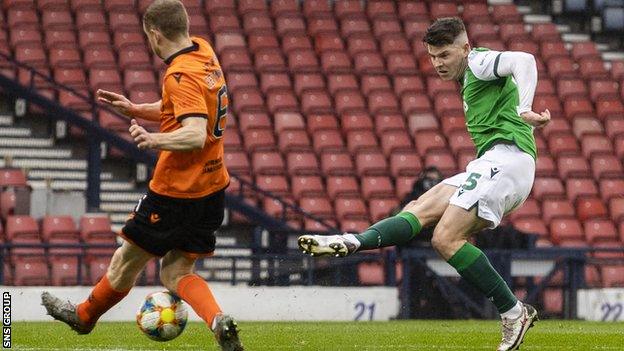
221 112
471 182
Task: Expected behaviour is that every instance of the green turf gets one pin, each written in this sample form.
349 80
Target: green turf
399 335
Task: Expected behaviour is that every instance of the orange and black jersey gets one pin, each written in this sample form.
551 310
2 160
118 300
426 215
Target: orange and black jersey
193 86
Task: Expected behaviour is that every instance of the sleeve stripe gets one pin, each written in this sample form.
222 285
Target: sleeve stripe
496 65
187 115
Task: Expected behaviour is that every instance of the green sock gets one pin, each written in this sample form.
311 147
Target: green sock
390 231
473 265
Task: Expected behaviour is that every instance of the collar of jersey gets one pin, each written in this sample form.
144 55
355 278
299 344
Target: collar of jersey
186 50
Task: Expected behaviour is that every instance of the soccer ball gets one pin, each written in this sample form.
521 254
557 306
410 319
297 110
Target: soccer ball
162 317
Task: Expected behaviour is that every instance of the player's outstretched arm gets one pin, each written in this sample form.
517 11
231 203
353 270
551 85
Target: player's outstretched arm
537 120
191 136
124 106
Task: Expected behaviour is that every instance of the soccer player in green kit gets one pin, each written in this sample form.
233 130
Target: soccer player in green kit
497 90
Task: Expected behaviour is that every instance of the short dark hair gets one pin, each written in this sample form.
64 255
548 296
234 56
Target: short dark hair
444 31
167 16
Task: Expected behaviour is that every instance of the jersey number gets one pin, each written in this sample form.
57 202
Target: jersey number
217 132
471 182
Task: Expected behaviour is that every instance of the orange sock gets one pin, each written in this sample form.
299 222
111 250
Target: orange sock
195 291
102 298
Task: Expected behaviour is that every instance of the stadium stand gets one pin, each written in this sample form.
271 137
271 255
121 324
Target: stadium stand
333 106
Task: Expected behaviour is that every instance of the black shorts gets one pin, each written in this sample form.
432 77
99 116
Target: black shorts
160 223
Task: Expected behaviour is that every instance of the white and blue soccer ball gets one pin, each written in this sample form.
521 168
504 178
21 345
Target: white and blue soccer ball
163 316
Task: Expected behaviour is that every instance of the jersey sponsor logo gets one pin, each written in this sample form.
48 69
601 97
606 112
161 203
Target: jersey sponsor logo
494 171
154 218
177 77
213 165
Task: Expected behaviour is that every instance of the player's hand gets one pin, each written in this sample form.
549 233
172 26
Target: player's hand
537 120
143 138
117 101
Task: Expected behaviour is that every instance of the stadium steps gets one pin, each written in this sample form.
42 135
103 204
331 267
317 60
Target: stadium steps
35 153
41 174
28 142
15 132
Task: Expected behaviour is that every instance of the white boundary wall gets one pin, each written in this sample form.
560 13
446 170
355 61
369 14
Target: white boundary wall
295 303
601 304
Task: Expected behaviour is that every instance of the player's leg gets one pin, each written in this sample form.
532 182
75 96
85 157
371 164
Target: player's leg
450 241
176 274
396 230
126 264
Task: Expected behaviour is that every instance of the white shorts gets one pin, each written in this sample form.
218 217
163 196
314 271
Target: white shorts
497 182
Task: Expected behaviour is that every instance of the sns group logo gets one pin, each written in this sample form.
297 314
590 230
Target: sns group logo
6 320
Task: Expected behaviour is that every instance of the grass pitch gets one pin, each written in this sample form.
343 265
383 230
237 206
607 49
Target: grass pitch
396 335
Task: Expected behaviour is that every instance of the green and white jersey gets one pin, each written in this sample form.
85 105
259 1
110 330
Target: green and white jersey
497 87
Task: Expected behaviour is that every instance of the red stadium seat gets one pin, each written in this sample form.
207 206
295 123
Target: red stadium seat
247 100
553 301
315 101
247 6
381 208
64 271
414 103
371 163
237 162
127 21
531 225
54 227
317 206
318 122
343 186
296 42
328 41
306 186
322 24
443 160
371 273
610 188
280 101
302 61
584 127
573 166
609 108
592 67
571 87
407 83
274 82
553 209
259 139
368 62
443 9
578 187
475 12
284 7
404 185
303 163
276 184
266 163
597 230
561 67
546 187
415 28
380 9
603 89
31 271
606 165
269 61
356 120
395 140
563 144
332 62
97 267
350 208
354 225
327 140
361 140
545 166
376 187
387 122
23 230
480 30
349 9
612 276
253 120
427 141
386 27
590 207
338 82
355 26
592 145
614 126
337 163
382 101
308 81
12 177
225 22
565 229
